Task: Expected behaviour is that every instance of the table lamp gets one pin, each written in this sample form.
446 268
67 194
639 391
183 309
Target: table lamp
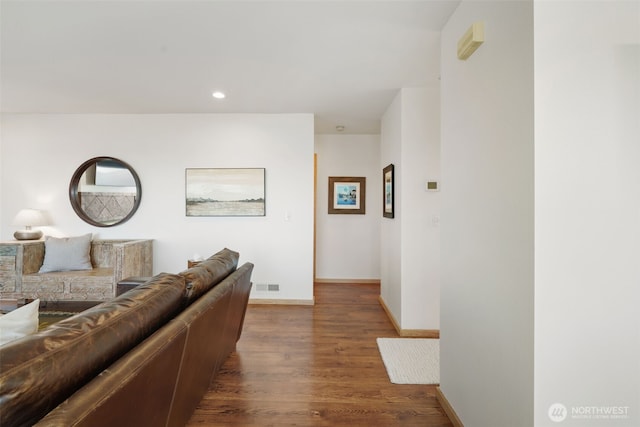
28 218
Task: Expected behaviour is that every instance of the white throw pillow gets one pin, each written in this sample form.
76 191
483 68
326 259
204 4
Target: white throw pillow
19 322
67 253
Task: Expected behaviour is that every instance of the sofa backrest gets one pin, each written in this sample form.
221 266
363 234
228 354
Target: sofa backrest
208 273
136 390
175 366
103 253
41 370
213 332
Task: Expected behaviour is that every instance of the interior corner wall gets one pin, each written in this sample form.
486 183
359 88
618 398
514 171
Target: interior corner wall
348 246
587 156
160 147
487 227
420 209
390 228
1 210
410 285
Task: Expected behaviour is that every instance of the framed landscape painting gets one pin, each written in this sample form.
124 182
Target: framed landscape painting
347 195
225 192
387 188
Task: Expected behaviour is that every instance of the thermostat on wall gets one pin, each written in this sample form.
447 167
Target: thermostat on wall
432 186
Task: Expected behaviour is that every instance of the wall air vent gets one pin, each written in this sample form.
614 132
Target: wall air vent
267 287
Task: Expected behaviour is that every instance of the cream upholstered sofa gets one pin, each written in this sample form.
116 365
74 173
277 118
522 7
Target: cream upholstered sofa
111 261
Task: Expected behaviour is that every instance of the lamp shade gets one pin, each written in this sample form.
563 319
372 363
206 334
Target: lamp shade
30 218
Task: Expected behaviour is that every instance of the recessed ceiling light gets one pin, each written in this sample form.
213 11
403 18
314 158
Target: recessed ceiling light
218 95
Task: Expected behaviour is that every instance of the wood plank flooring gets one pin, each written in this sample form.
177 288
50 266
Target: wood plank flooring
316 366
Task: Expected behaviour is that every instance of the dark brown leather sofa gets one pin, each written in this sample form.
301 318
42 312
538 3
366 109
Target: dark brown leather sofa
145 358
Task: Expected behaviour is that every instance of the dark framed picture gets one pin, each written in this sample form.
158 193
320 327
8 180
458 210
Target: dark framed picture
225 192
387 188
347 195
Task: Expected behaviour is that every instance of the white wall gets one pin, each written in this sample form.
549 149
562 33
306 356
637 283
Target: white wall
348 246
587 155
390 229
41 152
420 210
1 175
487 221
410 245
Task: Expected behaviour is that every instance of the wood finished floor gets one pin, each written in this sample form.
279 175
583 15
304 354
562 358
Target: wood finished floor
316 366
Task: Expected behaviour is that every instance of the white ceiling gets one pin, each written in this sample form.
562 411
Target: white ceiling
340 60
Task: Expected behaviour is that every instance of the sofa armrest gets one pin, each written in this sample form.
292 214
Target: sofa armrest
132 258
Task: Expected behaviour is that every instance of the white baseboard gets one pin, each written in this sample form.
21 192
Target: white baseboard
258 301
408 333
448 409
349 281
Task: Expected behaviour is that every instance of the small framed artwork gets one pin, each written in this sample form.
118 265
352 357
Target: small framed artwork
225 192
387 188
347 195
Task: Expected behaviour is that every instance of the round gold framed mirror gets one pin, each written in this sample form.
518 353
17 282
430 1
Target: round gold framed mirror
105 191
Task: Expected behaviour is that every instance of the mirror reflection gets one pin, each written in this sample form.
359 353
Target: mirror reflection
105 191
